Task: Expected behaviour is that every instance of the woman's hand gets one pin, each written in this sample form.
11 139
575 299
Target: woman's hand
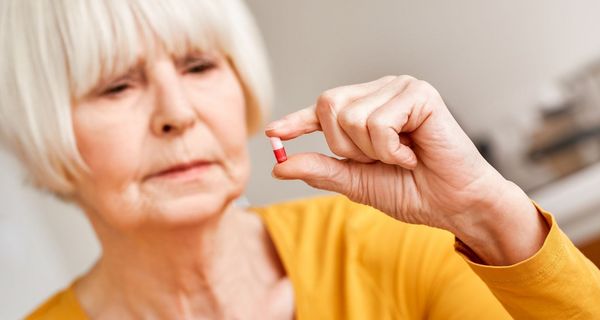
405 155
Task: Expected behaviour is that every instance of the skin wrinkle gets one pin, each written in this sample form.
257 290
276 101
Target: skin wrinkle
354 191
365 183
403 197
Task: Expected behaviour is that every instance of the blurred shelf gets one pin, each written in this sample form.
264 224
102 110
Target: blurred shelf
575 202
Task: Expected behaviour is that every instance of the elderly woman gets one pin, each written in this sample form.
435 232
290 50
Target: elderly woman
139 112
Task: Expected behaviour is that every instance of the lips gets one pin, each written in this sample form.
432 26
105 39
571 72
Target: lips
182 170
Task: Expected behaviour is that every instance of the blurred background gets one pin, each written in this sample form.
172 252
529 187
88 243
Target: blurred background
522 78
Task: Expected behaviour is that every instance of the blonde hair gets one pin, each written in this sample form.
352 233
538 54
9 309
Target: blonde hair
55 51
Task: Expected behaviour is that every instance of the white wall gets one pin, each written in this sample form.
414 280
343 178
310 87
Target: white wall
487 58
43 243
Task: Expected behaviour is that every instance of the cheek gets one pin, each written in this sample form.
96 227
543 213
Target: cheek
109 145
229 126
224 111
233 120
232 130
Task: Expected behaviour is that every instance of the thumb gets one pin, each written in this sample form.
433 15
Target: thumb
317 170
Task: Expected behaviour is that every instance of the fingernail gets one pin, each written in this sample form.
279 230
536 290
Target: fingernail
273 125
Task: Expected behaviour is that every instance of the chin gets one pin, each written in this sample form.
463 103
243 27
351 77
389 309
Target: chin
170 206
196 208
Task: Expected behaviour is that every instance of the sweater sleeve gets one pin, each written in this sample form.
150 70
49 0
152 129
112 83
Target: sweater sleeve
558 282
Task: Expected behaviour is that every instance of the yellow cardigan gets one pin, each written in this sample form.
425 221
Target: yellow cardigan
350 261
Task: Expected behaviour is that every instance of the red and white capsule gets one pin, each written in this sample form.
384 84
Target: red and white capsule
278 149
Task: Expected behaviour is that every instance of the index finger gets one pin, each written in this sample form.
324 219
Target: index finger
306 120
295 124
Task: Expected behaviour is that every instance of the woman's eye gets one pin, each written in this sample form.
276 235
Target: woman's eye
116 89
200 67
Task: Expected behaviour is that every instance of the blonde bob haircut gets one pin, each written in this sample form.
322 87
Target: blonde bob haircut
56 51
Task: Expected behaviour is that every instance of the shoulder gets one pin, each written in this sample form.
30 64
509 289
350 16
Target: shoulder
62 305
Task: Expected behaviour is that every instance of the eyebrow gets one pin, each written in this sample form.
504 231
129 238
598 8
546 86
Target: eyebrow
137 70
194 56
134 72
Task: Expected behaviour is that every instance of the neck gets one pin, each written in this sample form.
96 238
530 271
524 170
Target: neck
182 272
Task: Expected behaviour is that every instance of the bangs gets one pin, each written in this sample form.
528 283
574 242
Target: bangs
54 52
122 33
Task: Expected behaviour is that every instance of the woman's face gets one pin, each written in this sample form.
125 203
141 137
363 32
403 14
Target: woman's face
165 142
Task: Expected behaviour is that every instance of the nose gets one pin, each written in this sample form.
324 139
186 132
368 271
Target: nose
173 111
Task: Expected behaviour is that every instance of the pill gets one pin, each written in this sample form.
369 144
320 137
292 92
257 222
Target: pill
278 149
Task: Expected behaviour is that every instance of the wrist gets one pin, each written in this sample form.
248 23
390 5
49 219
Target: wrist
504 227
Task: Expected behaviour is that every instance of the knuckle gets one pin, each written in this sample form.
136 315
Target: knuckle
423 85
407 78
427 88
419 93
327 103
388 78
351 119
420 98
328 98
422 93
377 121
404 81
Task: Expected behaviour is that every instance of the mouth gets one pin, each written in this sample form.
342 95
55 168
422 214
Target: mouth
184 171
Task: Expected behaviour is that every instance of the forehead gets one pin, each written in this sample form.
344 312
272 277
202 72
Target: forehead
104 38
